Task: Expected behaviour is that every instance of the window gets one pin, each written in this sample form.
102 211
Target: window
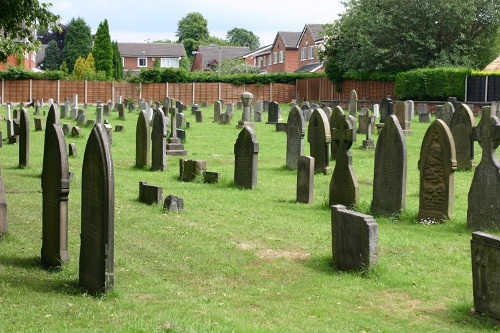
275 56
270 60
254 61
260 62
142 62
123 62
311 52
303 54
169 62
282 56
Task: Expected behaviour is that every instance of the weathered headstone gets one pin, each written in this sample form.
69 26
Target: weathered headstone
121 111
305 179
198 116
158 142
391 164
337 111
55 191
257 107
174 145
376 110
402 113
24 139
423 114
142 141
354 240
217 111
190 169
173 204
246 150
296 128
194 108
38 124
385 109
150 194
72 150
257 116
446 113
97 227
306 110
81 120
461 127
4 221
211 177
353 103
410 107
181 120
246 118
76 131
273 116
319 138
483 211
437 165
369 121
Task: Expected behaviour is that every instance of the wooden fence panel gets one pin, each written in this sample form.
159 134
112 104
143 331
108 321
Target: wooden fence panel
206 92
97 91
16 91
44 89
128 90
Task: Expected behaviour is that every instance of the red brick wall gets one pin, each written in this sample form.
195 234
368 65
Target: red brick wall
307 40
290 63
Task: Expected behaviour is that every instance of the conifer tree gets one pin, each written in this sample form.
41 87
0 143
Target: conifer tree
117 62
103 50
77 43
52 60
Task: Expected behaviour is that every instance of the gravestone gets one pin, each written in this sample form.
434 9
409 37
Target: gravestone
273 115
446 113
483 211
150 194
328 112
217 111
461 127
229 108
190 169
72 150
410 107
194 108
281 127
257 106
174 145
10 123
353 103
376 110
337 111
423 113
158 142
97 222
296 128
354 240
239 105
55 191
204 104
76 132
319 138
437 164
119 128
181 120
390 171
386 110
121 111
305 107
109 131
4 221
369 122
91 122
246 119
265 106
344 188
99 115
179 106
105 110
198 116
402 113
72 113
65 110
211 177
81 120
485 254
246 150
257 116
181 134
225 119
24 139
142 141
173 204
305 179
38 124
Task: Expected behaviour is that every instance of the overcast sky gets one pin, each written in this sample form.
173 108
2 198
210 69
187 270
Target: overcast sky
143 20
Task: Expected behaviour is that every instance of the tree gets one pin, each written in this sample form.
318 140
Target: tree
117 62
243 37
103 50
18 22
77 43
57 35
193 26
52 60
397 35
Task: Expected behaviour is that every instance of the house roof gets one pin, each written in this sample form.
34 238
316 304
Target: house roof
494 66
316 30
260 51
309 68
151 50
211 53
289 38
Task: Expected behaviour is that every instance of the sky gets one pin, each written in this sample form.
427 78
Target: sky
149 20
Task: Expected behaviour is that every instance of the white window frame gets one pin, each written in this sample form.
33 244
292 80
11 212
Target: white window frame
123 62
310 52
270 61
166 61
260 62
303 54
139 62
282 56
275 57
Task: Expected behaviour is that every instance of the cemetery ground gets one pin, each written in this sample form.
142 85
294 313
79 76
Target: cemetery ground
235 260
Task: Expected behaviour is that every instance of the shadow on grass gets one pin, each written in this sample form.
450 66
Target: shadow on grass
322 264
464 315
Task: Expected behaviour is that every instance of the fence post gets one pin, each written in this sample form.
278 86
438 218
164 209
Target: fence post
218 91
166 89
140 90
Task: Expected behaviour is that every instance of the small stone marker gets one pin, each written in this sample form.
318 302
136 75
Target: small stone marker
38 124
354 240
305 179
483 211
4 222
173 204
198 116
294 137
461 127
246 150
97 227
24 139
344 188
121 112
446 113
319 138
369 121
158 142
410 107
402 113
142 141
76 131
72 150
273 115
150 194
423 113
437 165
391 164
174 145
189 169
305 107
211 177
485 253
386 109
217 111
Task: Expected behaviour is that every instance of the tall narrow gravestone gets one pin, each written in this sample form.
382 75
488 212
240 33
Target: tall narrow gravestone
24 139
389 180
446 113
305 179
294 137
217 111
344 188
142 141
483 211
98 203
55 191
401 111
246 150
319 138
354 240
437 165
158 142
337 111
386 110
461 127
353 103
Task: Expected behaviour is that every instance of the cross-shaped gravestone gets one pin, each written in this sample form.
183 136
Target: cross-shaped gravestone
369 120
174 145
483 210
344 188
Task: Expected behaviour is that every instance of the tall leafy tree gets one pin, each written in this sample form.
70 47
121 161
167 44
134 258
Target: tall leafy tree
243 37
52 60
57 34
397 35
103 49
192 30
117 62
77 43
18 22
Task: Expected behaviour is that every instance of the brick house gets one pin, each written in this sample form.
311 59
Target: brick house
207 57
284 53
259 58
29 61
137 56
310 38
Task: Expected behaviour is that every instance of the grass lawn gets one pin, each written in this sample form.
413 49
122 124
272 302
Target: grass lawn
236 260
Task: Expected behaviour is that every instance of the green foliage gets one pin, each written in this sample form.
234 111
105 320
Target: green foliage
52 60
77 43
117 62
85 69
56 34
243 37
394 36
16 73
18 22
64 68
432 84
103 49
192 26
